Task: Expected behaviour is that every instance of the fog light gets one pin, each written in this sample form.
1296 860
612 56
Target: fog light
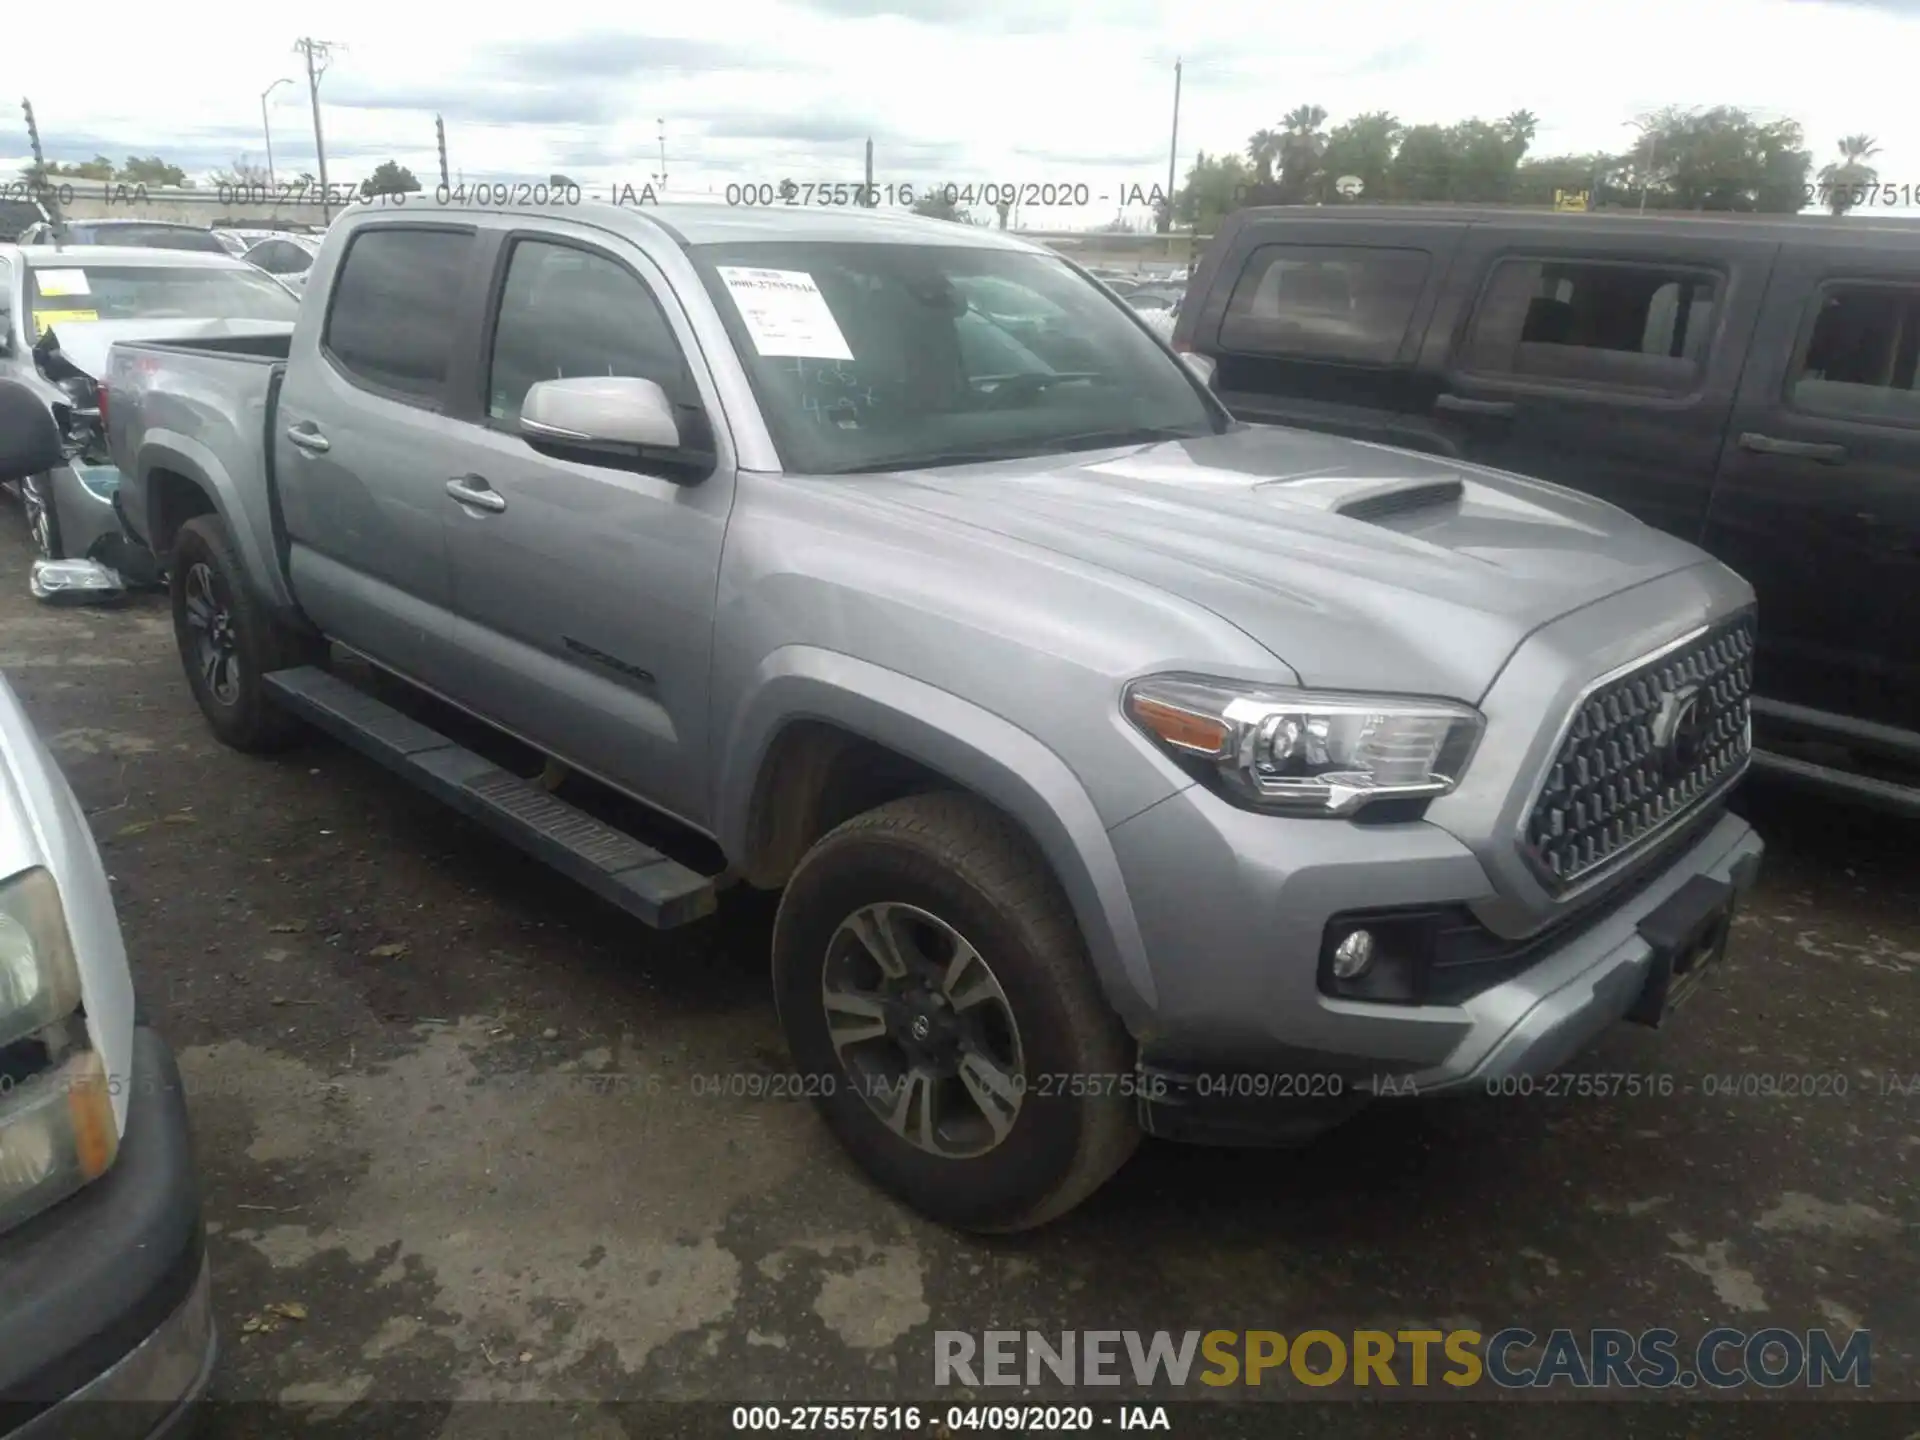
1353 956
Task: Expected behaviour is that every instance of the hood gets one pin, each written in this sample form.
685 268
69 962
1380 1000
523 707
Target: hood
84 344
1360 566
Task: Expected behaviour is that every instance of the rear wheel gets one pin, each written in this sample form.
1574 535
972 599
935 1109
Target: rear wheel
229 640
43 520
935 992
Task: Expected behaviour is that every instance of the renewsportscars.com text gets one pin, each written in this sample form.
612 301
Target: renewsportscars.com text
1512 1358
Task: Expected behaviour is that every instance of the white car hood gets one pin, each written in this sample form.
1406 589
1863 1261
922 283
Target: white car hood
41 823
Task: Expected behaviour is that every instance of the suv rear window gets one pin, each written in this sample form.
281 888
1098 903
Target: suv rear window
1593 322
1861 359
1332 302
395 307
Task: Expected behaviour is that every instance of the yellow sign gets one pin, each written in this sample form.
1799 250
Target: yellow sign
45 320
1570 200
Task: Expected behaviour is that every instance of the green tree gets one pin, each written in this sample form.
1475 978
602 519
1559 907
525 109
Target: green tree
243 172
98 168
152 170
1720 159
1423 165
1843 183
1363 147
389 178
1263 153
1217 185
1302 145
1480 162
1535 182
1520 127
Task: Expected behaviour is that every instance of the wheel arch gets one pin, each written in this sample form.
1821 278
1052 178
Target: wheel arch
796 755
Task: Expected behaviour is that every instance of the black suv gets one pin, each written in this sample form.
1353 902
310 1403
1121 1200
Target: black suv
1748 383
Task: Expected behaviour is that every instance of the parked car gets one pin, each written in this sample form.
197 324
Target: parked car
1111 754
285 257
147 234
1744 383
60 309
106 1294
1151 297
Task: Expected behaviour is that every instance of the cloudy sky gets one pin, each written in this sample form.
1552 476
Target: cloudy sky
1075 91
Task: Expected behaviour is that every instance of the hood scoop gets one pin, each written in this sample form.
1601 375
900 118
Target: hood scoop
1367 497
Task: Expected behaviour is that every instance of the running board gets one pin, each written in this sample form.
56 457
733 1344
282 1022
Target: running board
1868 790
657 890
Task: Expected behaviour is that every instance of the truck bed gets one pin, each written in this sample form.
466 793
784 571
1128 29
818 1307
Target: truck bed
202 410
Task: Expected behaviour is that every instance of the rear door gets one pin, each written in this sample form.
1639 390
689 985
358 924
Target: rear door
584 593
1818 502
360 440
1317 323
1600 356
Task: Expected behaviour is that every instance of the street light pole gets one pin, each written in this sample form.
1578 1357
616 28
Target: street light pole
1173 152
321 50
267 129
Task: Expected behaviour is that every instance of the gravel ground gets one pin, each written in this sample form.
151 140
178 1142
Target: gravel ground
477 1129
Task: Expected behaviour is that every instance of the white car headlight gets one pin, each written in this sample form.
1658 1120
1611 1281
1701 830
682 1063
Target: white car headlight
1307 752
39 981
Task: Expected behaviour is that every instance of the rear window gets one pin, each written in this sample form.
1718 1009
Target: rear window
1862 357
153 237
74 292
395 308
1330 302
1590 322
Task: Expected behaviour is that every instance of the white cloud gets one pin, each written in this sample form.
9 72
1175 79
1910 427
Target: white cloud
983 90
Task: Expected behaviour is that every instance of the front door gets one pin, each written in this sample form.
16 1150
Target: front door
1818 502
584 594
1602 359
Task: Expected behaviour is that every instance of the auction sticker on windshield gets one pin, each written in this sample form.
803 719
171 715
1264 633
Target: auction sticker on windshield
54 283
785 313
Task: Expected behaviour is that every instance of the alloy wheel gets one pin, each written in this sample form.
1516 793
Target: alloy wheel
210 616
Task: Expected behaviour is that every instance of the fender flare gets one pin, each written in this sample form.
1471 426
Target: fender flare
977 750
170 450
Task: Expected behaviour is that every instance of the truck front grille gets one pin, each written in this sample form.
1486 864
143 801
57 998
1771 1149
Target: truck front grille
1644 747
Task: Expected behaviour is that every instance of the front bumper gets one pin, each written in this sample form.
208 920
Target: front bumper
106 1325
1245 1047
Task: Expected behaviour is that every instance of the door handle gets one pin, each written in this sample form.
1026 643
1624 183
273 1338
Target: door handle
1795 449
308 438
1465 405
473 490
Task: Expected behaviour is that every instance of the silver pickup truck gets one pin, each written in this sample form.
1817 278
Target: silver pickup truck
1124 767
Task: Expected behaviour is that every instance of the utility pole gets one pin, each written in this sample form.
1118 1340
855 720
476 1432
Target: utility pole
1173 153
318 53
663 152
49 195
440 140
867 197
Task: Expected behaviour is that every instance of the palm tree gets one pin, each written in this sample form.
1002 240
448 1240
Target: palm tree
1520 127
1263 148
1301 146
1844 184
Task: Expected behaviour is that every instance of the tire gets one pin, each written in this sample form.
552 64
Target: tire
952 861
250 640
43 516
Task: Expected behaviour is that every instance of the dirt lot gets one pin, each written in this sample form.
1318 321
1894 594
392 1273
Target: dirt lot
399 1037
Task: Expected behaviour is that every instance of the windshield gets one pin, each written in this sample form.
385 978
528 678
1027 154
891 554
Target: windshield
79 292
156 237
888 356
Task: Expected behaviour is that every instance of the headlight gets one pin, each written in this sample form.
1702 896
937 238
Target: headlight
1306 752
39 982
56 1134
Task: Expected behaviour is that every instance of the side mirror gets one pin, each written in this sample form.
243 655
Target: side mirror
29 439
595 410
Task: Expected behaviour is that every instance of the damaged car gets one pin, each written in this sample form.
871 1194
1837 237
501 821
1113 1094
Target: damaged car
60 311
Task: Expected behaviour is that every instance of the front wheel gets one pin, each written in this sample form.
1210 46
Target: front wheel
229 640
936 994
